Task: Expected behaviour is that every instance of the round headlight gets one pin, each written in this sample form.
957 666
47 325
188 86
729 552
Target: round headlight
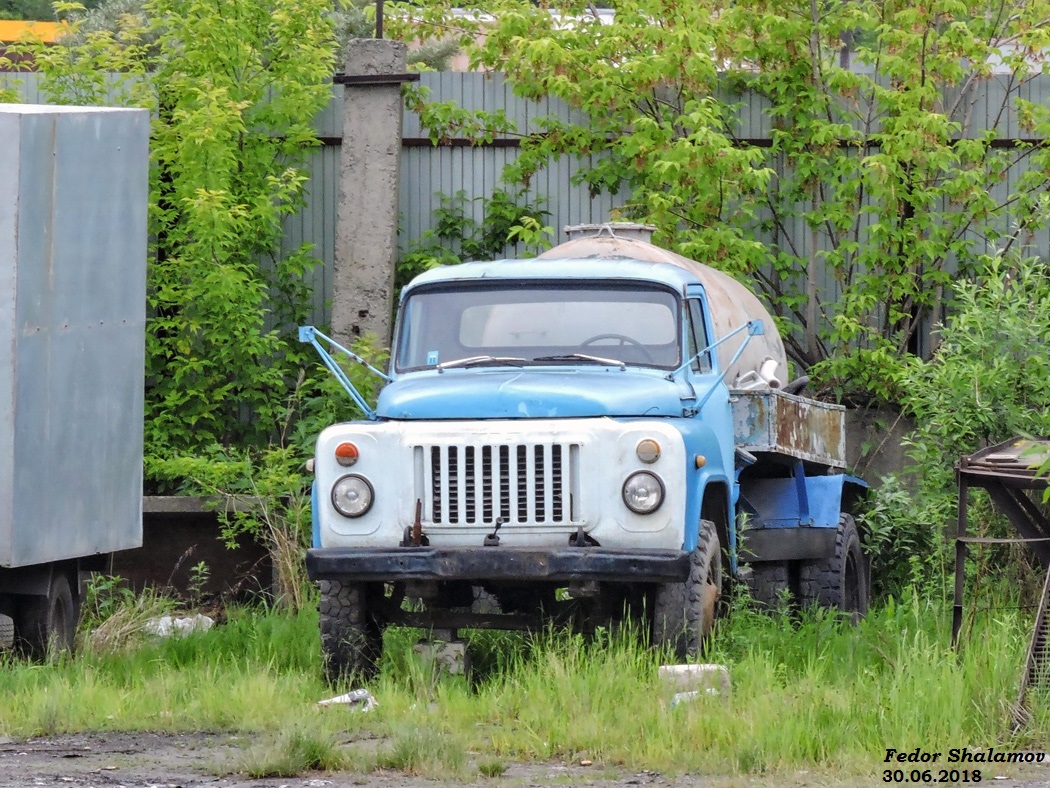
352 495
643 492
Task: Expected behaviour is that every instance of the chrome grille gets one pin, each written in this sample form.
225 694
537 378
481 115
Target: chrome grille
524 483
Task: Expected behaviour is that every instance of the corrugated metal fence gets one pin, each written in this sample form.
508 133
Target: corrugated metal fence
429 172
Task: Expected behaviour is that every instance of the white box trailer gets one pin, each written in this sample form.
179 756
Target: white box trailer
73 202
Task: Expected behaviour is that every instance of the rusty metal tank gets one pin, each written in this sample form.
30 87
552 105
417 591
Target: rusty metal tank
763 362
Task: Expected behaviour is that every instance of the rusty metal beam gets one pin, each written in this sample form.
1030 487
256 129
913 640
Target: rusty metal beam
1019 515
1037 518
960 560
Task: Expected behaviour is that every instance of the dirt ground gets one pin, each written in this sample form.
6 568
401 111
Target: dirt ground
151 760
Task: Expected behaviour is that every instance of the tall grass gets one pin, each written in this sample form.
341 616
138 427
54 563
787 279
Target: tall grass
809 692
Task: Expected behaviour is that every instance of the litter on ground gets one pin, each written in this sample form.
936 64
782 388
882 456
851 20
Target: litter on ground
358 699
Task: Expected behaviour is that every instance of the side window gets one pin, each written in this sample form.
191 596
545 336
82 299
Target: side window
698 336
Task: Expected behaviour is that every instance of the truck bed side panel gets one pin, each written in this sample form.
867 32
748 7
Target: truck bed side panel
74 355
9 177
769 421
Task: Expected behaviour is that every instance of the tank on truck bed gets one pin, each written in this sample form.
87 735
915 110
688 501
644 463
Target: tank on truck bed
795 532
72 332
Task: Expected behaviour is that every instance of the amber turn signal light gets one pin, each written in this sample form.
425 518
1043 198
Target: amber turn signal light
346 454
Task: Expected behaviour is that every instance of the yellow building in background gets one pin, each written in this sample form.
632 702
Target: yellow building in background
14 30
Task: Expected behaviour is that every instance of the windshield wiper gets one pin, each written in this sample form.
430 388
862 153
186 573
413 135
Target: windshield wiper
477 361
612 362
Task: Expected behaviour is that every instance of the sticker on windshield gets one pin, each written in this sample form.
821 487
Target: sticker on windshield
432 357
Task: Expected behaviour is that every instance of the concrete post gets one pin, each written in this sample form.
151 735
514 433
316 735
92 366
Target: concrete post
366 221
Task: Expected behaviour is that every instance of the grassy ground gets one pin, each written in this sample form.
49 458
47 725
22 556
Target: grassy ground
809 693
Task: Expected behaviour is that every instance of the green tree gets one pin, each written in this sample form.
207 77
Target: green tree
233 86
39 10
356 19
350 19
233 400
987 382
875 172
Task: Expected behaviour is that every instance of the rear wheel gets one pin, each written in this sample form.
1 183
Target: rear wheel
351 636
8 614
769 583
49 622
841 581
684 613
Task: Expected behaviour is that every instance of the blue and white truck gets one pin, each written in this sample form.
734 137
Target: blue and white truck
596 432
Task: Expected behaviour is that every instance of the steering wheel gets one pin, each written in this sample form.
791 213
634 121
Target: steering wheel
623 340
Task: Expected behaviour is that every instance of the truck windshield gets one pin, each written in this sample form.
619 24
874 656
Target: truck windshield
521 323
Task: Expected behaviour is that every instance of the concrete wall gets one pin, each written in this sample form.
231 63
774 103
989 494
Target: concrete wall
873 442
178 533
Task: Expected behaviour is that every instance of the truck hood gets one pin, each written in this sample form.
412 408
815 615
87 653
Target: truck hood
530 393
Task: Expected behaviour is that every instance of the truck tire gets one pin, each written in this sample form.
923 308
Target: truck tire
769 582
684 613
840 582
351 638
48 623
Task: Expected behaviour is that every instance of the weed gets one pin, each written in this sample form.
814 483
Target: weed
302 748
424 750
103 596
199 576
492 767
120 622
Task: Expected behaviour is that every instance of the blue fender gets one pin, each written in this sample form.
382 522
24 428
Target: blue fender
700 439
809 501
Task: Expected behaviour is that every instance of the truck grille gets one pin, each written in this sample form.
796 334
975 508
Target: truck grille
529 483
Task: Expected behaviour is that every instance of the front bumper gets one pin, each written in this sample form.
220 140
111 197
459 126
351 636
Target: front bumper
497 563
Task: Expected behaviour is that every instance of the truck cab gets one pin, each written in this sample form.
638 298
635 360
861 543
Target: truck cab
556 441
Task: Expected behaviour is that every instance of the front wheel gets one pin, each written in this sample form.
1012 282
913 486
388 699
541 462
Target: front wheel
351 636
684 613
